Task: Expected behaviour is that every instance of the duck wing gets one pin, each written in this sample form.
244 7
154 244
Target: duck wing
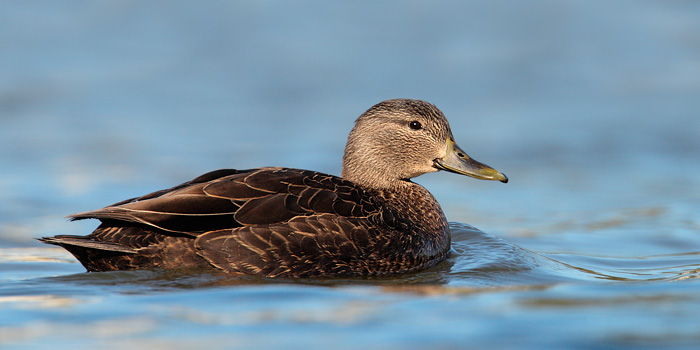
228 199
185 209
267 221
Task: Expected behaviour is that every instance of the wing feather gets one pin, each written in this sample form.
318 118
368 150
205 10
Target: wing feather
267 221
250 197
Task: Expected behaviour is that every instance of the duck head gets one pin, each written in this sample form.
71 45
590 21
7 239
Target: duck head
400 139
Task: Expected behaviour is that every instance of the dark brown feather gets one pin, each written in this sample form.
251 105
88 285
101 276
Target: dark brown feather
269 221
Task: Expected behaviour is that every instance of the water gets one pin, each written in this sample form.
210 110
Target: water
591 109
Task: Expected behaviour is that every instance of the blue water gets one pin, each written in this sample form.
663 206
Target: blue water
592 109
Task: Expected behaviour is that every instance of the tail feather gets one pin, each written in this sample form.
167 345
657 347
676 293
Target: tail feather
95 255
87 243
129 248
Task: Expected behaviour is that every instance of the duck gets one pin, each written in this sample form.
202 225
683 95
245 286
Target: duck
370 221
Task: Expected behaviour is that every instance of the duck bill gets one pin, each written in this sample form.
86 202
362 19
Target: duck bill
457 161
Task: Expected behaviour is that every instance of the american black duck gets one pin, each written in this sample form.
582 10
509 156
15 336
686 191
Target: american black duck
280 222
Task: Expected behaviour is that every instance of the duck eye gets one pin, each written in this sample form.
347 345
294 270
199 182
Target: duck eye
415 125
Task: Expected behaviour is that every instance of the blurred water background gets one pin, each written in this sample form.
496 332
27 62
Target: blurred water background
591 108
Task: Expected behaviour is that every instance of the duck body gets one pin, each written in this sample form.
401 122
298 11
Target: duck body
282 222
273 222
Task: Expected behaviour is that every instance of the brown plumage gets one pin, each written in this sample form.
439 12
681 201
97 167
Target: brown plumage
372 221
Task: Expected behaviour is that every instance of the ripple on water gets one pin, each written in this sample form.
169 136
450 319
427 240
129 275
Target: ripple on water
478 260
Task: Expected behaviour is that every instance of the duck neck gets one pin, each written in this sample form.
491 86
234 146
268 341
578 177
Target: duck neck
360 166
415 202
370 178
